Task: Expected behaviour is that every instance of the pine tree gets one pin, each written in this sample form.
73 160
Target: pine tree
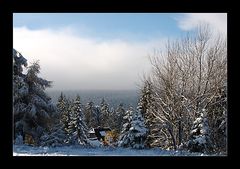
18 62
118 118
77 128
138 131
63 106
89 109
111 123
56 135
97 116
40 106
93 115
146 107
123 138
105 113
81 125
199 136
20 91
32 107
134 131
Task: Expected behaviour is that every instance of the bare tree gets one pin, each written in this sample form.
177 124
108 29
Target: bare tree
188 77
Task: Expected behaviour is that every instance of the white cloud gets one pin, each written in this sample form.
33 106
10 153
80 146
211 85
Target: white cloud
218 21
73 62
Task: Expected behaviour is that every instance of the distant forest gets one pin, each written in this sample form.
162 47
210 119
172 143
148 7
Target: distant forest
129 98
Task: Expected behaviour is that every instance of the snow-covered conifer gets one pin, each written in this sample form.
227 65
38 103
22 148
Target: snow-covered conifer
118 118
146 107
105 113
134 132
93 115
123 138
77 128
199 135
89 108
55 137
32 107
63 106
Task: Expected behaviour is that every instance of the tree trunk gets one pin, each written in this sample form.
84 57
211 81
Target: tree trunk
179 132
173 139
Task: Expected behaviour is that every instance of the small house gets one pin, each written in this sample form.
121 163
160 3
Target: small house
99 134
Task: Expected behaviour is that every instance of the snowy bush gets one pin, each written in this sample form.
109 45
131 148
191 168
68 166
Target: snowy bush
19 140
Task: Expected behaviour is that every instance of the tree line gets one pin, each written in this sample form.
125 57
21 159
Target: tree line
38 122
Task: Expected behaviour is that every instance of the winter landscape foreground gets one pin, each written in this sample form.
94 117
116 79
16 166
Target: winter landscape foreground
24 150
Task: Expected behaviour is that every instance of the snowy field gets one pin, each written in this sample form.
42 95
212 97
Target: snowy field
24 150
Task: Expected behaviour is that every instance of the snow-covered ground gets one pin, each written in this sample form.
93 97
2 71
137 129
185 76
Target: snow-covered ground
24 150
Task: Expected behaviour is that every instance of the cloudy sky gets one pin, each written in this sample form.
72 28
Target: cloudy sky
100 51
